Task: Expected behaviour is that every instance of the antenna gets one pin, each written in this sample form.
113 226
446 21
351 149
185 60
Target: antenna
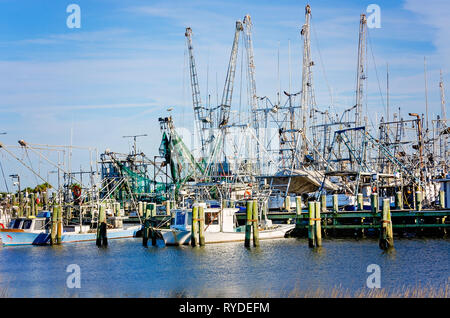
426 91
134 138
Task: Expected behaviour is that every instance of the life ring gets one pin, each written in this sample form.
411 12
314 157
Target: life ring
2 226
247 194
76 190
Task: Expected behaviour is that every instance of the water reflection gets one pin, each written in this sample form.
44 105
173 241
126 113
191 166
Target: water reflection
275 268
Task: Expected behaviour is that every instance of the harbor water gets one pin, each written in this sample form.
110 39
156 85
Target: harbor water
276 269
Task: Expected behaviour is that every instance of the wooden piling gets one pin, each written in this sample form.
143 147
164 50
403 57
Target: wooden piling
311 230
201 230
152 215
21 204
442 199
399 200
54 228
248 225
419 200
374 202
45 200
255 224
360 200
287 203
102 239
32 204
323 203
317 225
145 228
141 208
298 208
194 225
167 208
59 225
386 232
335 203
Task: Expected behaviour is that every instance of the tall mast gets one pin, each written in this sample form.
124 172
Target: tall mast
251 67
443 111
229 82
426 92
247 24
361 71
306 73
443 125
200 119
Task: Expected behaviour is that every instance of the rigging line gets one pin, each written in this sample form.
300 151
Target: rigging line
376 71
4 178
316 41
240 84
31 165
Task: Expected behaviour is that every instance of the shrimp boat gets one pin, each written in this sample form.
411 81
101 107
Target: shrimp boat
37 231
220 227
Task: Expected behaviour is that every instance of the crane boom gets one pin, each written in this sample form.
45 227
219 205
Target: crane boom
201 121
229 82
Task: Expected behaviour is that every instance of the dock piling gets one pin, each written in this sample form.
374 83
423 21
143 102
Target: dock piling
145 229
201 230
59 225
442 199
386 232
419 200
360 201
374 202
255 224
194 225
298 208
323 203
248 225
399 200
102 239
54 228
311 230
317 226
335 203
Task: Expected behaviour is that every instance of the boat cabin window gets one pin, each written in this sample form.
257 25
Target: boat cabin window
180 217
189 221
15 224
27 224
212 218
39 224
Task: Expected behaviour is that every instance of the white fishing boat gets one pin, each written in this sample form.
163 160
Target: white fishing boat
37 231
220 227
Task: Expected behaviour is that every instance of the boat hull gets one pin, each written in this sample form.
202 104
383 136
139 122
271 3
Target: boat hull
11 237
180 237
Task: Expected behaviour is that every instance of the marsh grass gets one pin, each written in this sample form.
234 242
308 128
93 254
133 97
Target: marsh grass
335 292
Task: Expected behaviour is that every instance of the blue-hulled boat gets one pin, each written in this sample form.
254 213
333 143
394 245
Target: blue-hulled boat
36 231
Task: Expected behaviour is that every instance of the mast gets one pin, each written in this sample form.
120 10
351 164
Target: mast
426 92
229 82
361 72
247 24
200 119
442 126
306 74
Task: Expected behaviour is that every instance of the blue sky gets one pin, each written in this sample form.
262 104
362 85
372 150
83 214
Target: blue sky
126 64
